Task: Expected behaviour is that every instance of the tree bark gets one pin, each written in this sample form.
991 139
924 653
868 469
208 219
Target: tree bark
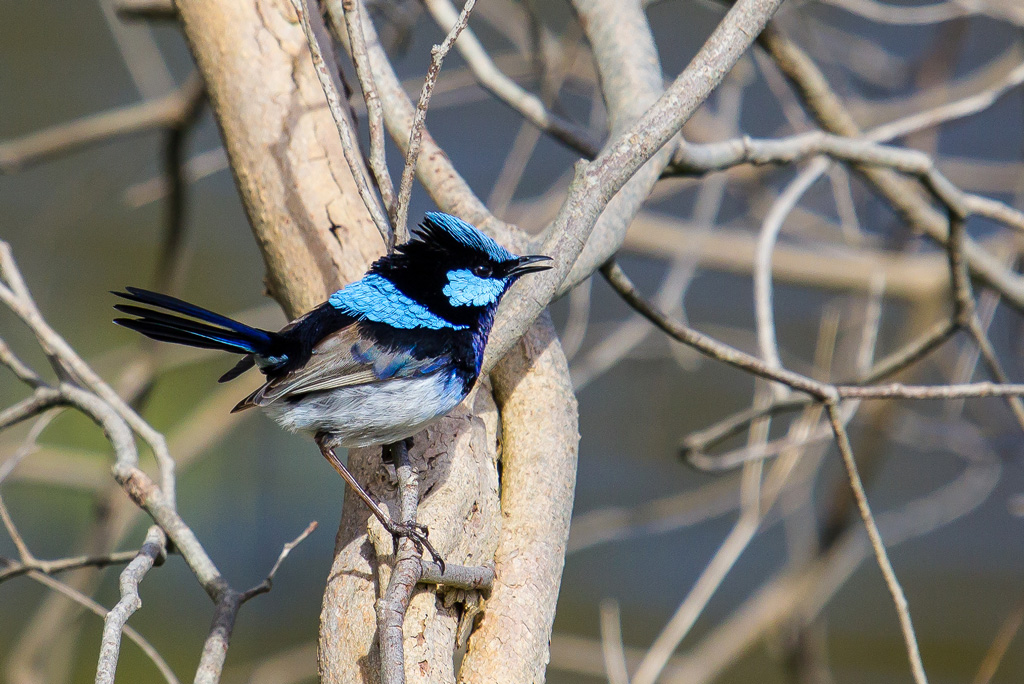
298 193
315 234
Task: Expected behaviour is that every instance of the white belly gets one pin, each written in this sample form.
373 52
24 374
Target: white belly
367 415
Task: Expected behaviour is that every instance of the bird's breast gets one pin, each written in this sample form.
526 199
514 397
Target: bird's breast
374 413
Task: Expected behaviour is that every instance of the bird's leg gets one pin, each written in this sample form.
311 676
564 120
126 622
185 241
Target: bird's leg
399 454
413 530
387 451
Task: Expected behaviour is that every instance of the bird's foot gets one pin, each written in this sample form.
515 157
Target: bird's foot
417 534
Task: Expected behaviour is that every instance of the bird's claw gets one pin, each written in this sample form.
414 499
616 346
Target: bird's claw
417 534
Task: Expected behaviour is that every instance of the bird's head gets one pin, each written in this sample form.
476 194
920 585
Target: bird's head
454 270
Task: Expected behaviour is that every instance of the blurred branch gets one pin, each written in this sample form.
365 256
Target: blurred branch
885 13
529 106
91 605
169 111
146 9
1000 645
80 387
611 643
830 113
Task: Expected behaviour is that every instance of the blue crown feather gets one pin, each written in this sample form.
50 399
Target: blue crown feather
465 234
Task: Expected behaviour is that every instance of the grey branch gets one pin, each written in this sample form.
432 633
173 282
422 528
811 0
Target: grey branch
404 575
342 119
153 549
437 55
164 112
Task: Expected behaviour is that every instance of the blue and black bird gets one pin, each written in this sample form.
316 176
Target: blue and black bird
377 362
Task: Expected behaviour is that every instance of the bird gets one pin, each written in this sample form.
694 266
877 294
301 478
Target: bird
381 359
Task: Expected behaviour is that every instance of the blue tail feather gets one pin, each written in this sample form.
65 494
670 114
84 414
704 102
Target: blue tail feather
137 294
169 333
246 341
225 333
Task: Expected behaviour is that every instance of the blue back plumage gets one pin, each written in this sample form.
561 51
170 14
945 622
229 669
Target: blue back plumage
375 298
425 309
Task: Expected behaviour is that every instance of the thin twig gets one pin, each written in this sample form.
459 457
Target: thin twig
404 575
965 309
770 229
153 550
346 129
437 55
268 582
898 597
821 391
353 9
52 567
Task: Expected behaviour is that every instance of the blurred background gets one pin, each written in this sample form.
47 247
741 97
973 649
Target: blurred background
647 524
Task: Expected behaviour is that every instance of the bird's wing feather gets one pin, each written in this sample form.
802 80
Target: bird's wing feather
343 359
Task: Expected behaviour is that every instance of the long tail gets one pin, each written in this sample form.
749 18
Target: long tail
225 333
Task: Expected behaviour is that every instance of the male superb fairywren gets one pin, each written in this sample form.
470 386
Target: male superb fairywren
377 362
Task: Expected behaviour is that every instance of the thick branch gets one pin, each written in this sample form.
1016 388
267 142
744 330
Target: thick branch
539 451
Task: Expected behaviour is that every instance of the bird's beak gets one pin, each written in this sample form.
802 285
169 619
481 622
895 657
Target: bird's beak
530 264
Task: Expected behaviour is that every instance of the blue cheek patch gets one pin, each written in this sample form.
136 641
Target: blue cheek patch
375 298
466 289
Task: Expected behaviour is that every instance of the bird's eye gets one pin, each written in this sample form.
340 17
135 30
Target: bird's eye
482 271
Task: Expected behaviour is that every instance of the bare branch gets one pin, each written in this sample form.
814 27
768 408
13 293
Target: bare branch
266 585
353 10
899 599
152 551
405 574
346 129
164 112
437 55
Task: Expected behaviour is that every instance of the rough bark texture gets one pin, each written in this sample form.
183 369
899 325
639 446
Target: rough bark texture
540 443
310 223
457 464
315 234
